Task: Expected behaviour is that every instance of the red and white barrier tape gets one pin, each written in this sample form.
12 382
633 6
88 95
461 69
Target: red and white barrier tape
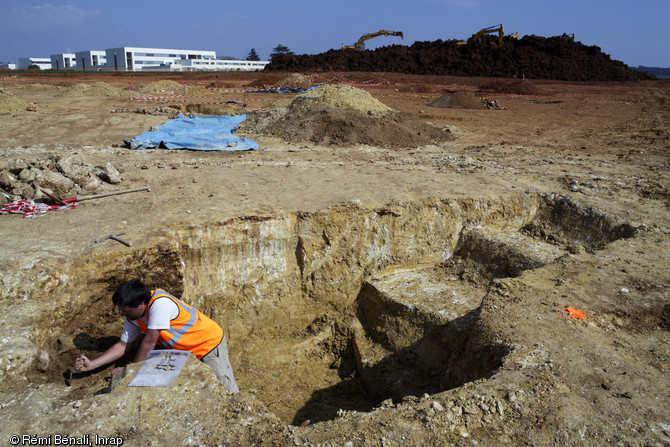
31 209
190 99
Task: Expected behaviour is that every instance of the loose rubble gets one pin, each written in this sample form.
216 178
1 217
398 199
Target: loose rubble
58 176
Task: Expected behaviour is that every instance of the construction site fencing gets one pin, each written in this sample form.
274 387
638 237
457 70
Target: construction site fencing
187 93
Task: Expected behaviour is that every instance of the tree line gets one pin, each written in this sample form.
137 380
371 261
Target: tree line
279 50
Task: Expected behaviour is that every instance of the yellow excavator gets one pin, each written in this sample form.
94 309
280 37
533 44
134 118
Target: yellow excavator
360 45
490 30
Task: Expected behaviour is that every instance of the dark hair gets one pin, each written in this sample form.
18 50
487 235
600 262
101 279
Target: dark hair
131 293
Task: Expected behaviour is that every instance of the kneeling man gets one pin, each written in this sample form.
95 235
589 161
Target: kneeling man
170 322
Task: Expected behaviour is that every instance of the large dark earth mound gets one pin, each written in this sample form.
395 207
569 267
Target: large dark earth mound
535 57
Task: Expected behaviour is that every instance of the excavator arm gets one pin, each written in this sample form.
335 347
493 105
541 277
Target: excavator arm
490 30
360 44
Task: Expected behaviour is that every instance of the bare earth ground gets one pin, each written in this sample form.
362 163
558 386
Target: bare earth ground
601 381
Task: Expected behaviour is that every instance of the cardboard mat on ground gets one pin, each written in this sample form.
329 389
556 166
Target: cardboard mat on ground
161 368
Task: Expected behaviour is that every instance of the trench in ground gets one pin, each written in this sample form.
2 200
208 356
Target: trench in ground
342 309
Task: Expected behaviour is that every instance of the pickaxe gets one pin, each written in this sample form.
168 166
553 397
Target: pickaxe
114 237
95 196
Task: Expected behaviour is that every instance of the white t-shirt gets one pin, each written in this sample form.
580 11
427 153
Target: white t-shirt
162 311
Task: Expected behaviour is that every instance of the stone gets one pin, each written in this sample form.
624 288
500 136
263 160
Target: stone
7 180
110 174
26 175
42 361
90 184
53 180
16 166
27 191
75 169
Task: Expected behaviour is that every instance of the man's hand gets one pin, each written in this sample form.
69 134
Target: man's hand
82 363
112 354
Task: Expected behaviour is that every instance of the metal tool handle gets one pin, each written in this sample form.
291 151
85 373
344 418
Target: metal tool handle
83 354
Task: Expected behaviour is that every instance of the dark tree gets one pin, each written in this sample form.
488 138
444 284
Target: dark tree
253 56
280 50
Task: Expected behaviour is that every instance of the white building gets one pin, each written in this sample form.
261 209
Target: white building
138 59
63 61
44 63
90 60
141 59
212 65
8 66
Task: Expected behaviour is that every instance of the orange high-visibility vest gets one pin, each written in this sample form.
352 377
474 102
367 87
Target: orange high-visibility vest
190 331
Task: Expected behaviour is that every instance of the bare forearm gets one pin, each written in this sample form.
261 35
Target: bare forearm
148 343
143 350
112 354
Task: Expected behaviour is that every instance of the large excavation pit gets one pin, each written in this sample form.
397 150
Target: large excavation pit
345 308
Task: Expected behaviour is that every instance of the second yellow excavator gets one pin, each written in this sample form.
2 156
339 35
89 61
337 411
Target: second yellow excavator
360 45
490 30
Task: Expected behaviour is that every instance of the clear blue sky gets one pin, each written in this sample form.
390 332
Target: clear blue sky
636 33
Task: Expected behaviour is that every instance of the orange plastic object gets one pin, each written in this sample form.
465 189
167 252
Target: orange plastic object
573 313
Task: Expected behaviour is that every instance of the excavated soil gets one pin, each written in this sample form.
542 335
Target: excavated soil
97 89
390 289
533 56
11 104
343 115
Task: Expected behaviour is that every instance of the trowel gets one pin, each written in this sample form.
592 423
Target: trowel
74 374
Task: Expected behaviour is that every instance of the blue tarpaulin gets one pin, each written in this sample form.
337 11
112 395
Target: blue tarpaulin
204 133
283 90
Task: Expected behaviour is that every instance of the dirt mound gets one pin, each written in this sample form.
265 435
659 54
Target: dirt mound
338 96
537 57
210 109
97 89
160 86
458 100
293 80
38 87
341 114
514 86
10 103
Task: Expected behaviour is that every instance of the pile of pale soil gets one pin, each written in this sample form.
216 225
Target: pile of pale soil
343 115
340 97
84 90
10 103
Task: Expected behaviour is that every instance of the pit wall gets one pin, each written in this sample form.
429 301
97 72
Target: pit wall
273 274
260 273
